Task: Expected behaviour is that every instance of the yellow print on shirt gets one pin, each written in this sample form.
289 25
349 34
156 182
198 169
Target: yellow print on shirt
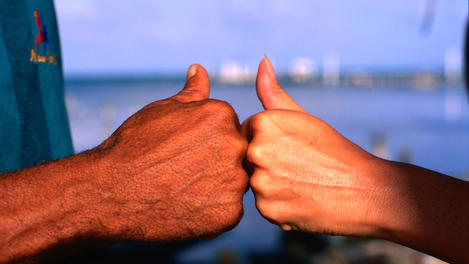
35 57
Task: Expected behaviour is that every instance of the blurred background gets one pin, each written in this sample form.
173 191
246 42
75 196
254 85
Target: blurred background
386 74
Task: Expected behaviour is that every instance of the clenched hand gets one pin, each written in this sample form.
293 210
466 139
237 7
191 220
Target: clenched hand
173 170
306 176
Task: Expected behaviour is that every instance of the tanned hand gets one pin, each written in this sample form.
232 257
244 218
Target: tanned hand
172 171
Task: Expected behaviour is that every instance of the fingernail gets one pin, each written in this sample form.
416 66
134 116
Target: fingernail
191 72
286 227
269 68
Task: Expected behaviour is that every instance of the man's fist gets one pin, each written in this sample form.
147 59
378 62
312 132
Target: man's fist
173 170
306 176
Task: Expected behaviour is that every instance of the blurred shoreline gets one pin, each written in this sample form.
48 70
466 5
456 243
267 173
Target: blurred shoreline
411 79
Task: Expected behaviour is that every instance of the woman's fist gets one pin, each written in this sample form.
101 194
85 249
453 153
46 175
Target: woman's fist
305 175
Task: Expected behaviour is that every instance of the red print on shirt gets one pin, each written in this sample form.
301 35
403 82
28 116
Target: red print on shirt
40 34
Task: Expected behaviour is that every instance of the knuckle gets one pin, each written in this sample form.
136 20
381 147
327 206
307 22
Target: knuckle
236 213
233 147
267 211
232 216
218 107
220 113
239 143
255 153
237 185
259 183
261 120
242 181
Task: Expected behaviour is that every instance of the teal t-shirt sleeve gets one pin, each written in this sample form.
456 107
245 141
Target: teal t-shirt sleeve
33 119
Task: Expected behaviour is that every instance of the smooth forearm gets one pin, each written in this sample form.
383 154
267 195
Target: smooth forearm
44 206
425 210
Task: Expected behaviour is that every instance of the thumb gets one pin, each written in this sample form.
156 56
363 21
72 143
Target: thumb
197 85
271 95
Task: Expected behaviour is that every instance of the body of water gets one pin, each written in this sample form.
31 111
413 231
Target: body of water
428 128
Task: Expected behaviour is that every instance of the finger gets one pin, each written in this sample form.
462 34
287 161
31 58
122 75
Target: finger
197 85
211 237
245 129
247 133
271 95
249 168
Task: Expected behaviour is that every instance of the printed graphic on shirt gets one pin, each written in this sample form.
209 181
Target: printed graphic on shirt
42 51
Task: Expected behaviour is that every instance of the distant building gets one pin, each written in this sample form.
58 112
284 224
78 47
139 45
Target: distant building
331 69
233 72
379 145
362 79
453 65
303 69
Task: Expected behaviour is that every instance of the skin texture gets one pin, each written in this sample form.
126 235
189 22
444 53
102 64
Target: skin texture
172 171
306 176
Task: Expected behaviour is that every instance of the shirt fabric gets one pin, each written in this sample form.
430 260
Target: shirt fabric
33 120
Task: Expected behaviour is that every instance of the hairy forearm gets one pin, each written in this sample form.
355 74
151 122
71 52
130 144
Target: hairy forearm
426 210
44 206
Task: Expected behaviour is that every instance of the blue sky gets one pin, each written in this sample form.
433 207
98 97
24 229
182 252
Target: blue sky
148 36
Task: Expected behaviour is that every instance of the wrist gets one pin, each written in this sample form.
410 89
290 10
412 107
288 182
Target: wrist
370 210
82 194
390 213
94 195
